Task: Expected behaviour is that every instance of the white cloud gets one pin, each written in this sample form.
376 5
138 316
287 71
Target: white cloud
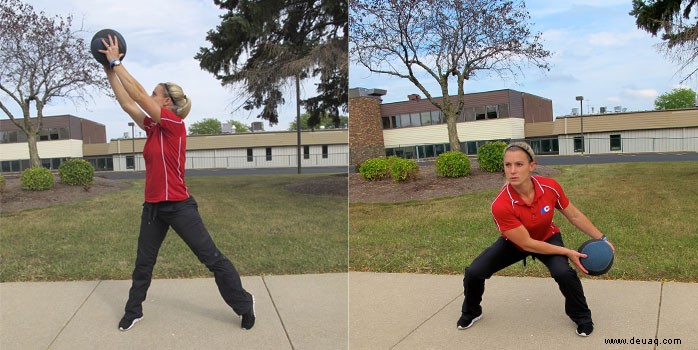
641 93
608 39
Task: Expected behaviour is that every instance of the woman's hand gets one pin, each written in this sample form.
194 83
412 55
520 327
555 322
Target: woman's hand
574 256
112 48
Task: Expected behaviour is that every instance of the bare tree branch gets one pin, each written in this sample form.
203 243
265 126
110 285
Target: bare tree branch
447 40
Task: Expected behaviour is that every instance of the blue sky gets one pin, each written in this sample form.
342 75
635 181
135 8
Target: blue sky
162 37
597 52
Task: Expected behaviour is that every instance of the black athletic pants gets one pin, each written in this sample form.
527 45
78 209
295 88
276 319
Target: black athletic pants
184 218
504 253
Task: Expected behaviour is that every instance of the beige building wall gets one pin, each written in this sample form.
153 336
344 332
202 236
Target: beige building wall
635 141
493 129
47 149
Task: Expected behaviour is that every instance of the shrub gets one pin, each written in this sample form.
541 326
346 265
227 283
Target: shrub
491 156
76 172
374 169
403 169
37 179
452 164
2 183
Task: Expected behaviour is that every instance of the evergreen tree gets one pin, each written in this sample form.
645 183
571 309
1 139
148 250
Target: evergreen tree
265 44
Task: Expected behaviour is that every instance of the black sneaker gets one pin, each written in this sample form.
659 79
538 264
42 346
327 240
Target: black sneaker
248 317
466 322
128 321
585 329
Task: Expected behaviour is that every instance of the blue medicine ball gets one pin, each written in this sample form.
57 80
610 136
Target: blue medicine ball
599 256
97 44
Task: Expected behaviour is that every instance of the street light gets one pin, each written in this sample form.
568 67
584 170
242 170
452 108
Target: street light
581 118
133 143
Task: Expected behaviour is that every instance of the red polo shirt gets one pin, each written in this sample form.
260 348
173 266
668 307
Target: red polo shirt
165 155
510 211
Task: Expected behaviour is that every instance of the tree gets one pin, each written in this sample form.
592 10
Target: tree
680 31
675 99
325 121
444 40
207 126
265 44
42 60
239 127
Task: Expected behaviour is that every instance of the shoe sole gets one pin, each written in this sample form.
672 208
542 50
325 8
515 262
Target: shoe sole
582 334
471 322
132 324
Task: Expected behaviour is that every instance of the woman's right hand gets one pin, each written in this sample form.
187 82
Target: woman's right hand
574 256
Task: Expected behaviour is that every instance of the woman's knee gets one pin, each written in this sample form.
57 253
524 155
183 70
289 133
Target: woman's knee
563 273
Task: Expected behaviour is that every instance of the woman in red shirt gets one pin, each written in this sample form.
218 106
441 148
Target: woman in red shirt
523 212
167 199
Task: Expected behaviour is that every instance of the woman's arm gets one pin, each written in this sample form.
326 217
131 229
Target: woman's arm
580 221
132 87
522 238
125 101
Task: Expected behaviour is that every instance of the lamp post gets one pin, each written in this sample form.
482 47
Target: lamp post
581 118
133 143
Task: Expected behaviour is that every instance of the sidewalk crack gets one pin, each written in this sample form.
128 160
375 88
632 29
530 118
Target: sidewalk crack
659 312
425 321
73 315
278 314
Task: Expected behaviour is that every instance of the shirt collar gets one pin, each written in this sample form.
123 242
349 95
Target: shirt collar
516 197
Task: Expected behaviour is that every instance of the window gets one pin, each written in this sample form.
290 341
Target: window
404 120
414 119
395 121
8 136
306 152
325 152
268 154
579 144
616 144
469 114
250 158
386 122
438 149
436 117
426 118
472 148
480 113
491 112
130 163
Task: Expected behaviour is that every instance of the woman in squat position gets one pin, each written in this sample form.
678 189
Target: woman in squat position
167 199
523 212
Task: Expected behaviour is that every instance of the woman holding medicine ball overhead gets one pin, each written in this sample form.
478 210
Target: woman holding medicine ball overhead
167 199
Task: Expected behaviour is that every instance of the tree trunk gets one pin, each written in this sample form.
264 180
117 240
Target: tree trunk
33 150
451 120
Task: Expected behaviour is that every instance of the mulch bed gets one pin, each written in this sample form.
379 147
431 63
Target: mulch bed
427 185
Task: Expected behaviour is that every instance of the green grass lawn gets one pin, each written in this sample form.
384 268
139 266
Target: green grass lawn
649 211
259 225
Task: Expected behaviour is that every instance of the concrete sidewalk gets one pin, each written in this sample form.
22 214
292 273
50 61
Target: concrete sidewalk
410 311
384 311
293 312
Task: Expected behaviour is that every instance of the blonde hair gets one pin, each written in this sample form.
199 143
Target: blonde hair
524 147
181 103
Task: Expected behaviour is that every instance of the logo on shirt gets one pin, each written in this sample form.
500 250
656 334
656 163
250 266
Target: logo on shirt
545 209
